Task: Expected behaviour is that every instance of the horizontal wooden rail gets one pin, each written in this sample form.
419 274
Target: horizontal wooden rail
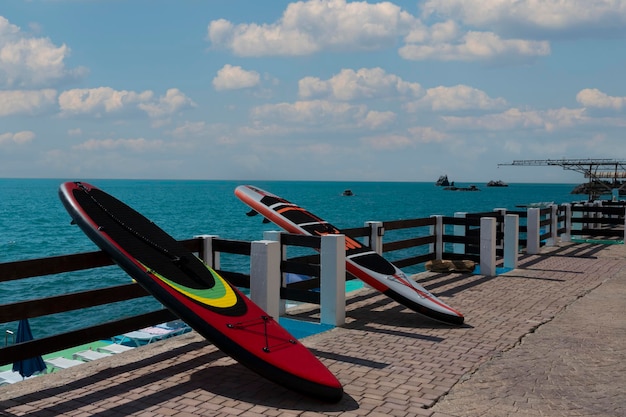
236 247
300 268
52 265
69 302
414 260
238 279
408 243
407 224
304 296
356 232
612 211
600 220
462 221
304 241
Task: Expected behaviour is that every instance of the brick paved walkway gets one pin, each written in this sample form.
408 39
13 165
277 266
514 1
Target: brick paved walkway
544 339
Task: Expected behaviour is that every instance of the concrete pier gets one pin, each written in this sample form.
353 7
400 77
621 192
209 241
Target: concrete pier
543 339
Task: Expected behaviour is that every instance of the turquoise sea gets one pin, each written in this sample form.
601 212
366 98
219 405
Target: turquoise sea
34 224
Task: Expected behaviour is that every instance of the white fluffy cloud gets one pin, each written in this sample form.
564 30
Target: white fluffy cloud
446 30
516 119
365 83
320 114
32 62
16 102
105 100
416 136
315 112
378 119
99 100
428 134
528 16
135 145
173 101
234 77
474 46
19 138
307 27
591 97
459 97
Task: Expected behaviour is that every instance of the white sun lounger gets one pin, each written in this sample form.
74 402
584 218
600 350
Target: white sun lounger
114 348
150 334
9 377
90 355
139 338
61 363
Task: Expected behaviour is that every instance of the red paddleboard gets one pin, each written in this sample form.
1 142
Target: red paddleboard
196 293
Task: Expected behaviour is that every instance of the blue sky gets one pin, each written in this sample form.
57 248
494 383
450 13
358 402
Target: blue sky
310 90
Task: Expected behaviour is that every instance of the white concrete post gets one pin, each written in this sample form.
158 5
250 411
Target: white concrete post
265 276
533 232
212 259
511 240
459 230
375 239
567 236
274 235
554 225
437 231
333 280
488 246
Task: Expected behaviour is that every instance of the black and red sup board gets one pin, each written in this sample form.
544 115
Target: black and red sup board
196 293
361 261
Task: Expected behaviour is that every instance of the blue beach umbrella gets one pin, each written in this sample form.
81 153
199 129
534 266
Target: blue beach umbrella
27 367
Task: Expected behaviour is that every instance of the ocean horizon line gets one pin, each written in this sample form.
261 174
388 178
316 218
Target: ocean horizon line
87 179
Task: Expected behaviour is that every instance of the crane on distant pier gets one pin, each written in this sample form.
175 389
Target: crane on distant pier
594 169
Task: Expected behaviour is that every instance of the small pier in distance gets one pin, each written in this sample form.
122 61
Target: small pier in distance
596 170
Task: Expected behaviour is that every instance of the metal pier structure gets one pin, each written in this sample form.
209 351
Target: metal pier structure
596 170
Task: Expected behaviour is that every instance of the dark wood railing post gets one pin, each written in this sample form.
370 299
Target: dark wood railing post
459 230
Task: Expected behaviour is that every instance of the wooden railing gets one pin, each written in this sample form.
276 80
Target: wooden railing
414 246
597 222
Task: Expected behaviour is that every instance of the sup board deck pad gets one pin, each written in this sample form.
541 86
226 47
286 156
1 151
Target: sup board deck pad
196 293
361 260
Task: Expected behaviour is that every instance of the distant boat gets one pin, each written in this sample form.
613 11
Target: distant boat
347 193
443 181
470 188
497 183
